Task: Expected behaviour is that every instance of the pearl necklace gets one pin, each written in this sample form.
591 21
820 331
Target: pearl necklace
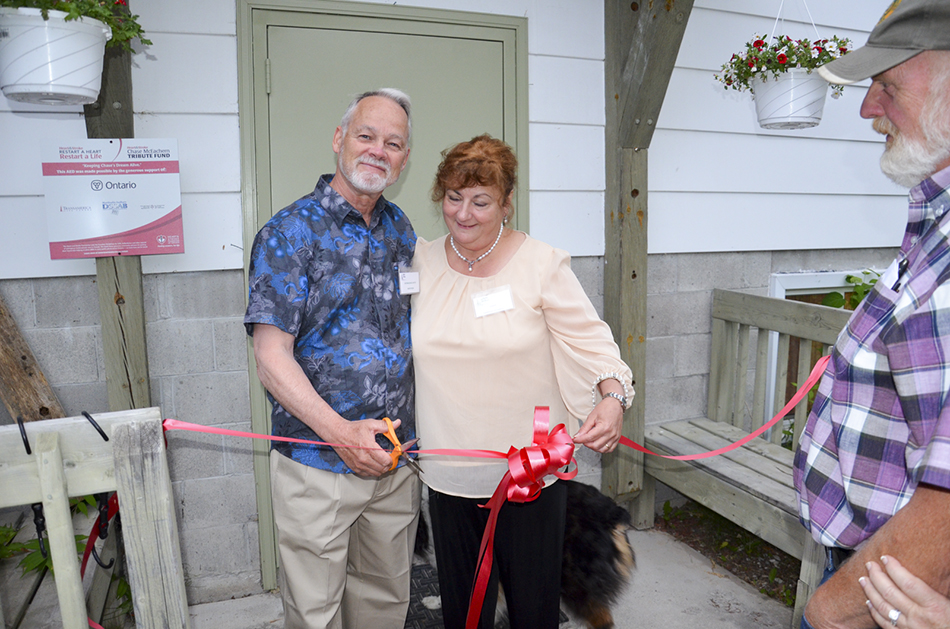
470 263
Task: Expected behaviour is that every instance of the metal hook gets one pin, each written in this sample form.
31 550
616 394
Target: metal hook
95 556
40 521
26 442
95 425
102 505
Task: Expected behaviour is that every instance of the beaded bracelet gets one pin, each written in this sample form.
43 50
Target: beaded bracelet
627 391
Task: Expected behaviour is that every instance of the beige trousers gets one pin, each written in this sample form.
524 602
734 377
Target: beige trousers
345 545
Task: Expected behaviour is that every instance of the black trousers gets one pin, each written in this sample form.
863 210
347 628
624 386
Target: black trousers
529 542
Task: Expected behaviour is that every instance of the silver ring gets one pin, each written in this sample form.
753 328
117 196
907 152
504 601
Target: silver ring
893 615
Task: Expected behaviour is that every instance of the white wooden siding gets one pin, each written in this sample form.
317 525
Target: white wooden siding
718 182
711 169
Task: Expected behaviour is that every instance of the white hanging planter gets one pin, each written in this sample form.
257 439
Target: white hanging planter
50 62
793 100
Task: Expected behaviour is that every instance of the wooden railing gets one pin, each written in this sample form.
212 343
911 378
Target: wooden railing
69 458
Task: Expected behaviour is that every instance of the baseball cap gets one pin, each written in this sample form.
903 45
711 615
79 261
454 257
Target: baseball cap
907 28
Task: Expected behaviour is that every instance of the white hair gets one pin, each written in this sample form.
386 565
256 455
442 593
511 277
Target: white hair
397 96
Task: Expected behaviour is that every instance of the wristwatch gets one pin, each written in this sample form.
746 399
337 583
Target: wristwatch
620 398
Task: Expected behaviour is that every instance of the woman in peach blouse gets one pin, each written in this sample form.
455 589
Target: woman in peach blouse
501 325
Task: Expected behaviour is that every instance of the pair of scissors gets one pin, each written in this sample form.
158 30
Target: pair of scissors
399 449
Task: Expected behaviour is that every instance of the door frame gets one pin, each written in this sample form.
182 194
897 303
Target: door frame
251 88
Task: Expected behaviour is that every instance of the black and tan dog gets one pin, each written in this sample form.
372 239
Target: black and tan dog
598 560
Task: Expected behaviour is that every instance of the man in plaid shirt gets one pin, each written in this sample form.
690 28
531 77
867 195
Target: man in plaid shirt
873 466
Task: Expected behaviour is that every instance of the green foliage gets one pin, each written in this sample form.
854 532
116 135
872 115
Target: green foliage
761 59
34 559
670 512
82 504
861 287
112 13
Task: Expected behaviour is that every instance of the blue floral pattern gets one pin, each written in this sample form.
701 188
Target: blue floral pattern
320 273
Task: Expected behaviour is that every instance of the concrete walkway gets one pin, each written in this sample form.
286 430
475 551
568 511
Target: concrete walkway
674 587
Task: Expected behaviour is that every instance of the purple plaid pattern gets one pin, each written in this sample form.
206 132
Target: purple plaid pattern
880 424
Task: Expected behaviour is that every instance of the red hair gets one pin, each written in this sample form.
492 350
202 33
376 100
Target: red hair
481 161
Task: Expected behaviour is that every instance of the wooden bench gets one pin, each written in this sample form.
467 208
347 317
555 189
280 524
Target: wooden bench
752 485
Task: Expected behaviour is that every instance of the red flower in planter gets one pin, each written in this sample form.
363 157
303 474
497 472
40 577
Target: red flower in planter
781 58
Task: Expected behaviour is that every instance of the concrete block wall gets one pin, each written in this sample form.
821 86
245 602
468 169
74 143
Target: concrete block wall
199 373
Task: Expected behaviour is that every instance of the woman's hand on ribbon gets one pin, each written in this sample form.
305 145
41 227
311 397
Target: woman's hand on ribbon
601 429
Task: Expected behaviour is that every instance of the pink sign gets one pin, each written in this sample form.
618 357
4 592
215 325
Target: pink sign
113 197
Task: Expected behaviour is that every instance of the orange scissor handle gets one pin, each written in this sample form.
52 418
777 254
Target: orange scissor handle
397 447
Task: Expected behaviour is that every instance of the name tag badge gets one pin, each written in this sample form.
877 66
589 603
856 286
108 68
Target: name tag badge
408 282
491 301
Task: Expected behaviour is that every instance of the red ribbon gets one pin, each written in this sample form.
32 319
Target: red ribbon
527 468
523 482
803 390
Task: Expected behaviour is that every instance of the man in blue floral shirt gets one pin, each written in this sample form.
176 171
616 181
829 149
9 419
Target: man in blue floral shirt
331 341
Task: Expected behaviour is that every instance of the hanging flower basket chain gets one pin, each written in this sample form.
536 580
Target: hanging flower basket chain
763 60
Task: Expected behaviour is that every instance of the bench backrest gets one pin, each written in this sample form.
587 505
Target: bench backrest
735 317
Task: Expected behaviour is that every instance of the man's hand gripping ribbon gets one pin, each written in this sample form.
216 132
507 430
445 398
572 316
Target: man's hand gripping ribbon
522 482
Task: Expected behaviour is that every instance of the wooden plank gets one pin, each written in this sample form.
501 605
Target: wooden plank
626 274
87 458
810 321
775 453
813 568
23 387
111 115
727 357
646 39
747 481
742 374
150 526
122 309
760 383
781 374
59 527
716 368
777 471
774 525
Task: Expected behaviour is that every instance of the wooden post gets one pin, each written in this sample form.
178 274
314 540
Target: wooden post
625 308
122 308
25 391
642 40
119 278
59 524
148 518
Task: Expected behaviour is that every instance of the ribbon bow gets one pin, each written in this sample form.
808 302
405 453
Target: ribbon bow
522 482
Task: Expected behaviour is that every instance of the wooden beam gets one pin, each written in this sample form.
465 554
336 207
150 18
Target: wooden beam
59 524
121 302
122 309
150 525
642 40
625 287
23 387
647 40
